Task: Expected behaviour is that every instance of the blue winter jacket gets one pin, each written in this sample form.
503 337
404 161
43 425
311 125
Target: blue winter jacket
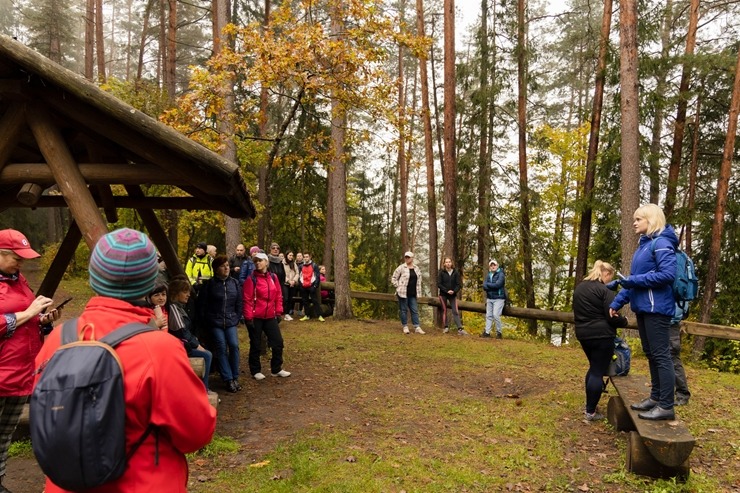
494 283
649 287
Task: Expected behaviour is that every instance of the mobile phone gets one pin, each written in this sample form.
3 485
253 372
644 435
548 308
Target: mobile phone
61 305
619 275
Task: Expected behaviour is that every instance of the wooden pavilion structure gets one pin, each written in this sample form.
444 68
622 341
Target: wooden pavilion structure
64 142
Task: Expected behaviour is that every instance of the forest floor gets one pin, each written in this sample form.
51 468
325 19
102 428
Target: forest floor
369 409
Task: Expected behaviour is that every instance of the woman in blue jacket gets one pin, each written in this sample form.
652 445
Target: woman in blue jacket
649 291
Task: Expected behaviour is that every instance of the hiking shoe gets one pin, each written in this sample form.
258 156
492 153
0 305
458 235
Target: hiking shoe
644 405
288 318
305 318
321 319
236 384
418 330
594 416
446 330
462 332
658 414
259 376
231 386
281 373
485 335
406 330
681 401
499 335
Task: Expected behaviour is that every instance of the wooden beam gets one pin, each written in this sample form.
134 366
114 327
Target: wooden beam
67 175
11 125
157 233
29 194
93 173
58 266
104 192
120 202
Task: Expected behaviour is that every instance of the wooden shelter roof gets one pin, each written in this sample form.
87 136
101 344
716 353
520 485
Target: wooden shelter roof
110 142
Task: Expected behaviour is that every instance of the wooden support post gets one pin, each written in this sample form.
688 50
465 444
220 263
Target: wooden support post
59 265
11 124
157 233
67 175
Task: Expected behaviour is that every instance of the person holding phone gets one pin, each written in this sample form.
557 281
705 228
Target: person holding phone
23 324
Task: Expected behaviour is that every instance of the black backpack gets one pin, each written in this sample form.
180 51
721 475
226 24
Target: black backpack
78 411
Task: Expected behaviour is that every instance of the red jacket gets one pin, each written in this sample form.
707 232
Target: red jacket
266 299
160 388
17 353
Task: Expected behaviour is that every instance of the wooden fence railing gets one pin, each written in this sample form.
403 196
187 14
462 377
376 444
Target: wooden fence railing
694 328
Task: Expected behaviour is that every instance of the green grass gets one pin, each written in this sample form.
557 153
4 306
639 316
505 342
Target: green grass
447 413
21 448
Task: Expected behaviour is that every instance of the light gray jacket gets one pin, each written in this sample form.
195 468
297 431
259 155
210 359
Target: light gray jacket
400 279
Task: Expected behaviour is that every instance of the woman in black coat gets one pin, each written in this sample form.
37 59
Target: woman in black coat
449 284
596 330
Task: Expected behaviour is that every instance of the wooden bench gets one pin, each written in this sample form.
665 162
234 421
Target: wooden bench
659 449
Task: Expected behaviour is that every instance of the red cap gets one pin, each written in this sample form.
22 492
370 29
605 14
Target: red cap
15 241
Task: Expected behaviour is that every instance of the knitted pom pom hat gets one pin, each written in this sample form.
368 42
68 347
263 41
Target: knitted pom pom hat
123 265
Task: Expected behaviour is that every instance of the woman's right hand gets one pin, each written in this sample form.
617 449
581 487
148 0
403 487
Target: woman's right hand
38 305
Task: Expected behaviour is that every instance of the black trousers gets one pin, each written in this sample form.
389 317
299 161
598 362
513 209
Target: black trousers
311 302
270 327
599 353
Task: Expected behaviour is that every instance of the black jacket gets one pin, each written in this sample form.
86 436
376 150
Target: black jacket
446 281
591 301
221 303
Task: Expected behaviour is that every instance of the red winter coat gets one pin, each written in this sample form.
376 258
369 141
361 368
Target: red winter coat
266 301
160 388
18 352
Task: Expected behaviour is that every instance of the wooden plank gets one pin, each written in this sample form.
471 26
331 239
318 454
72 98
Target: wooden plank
67 175
640 461
668 441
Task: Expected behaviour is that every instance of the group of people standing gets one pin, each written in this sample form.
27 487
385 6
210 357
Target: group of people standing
407 281
649 291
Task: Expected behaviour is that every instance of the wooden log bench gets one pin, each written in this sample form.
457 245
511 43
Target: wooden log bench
658 449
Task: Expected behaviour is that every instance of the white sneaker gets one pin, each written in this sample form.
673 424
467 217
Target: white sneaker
281 373
406 330
259 376
288 318
418 330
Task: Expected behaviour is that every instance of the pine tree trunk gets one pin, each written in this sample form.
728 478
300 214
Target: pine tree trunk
171 66
484 179
89 39
343 302
403 172
723 181
630 173
693 171
584 229
262 192
660 91
524 225
450 164
428 156
99 40
674 168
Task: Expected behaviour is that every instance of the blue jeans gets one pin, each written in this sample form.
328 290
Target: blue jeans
405 304
228 367
655 333
494 309
207 358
